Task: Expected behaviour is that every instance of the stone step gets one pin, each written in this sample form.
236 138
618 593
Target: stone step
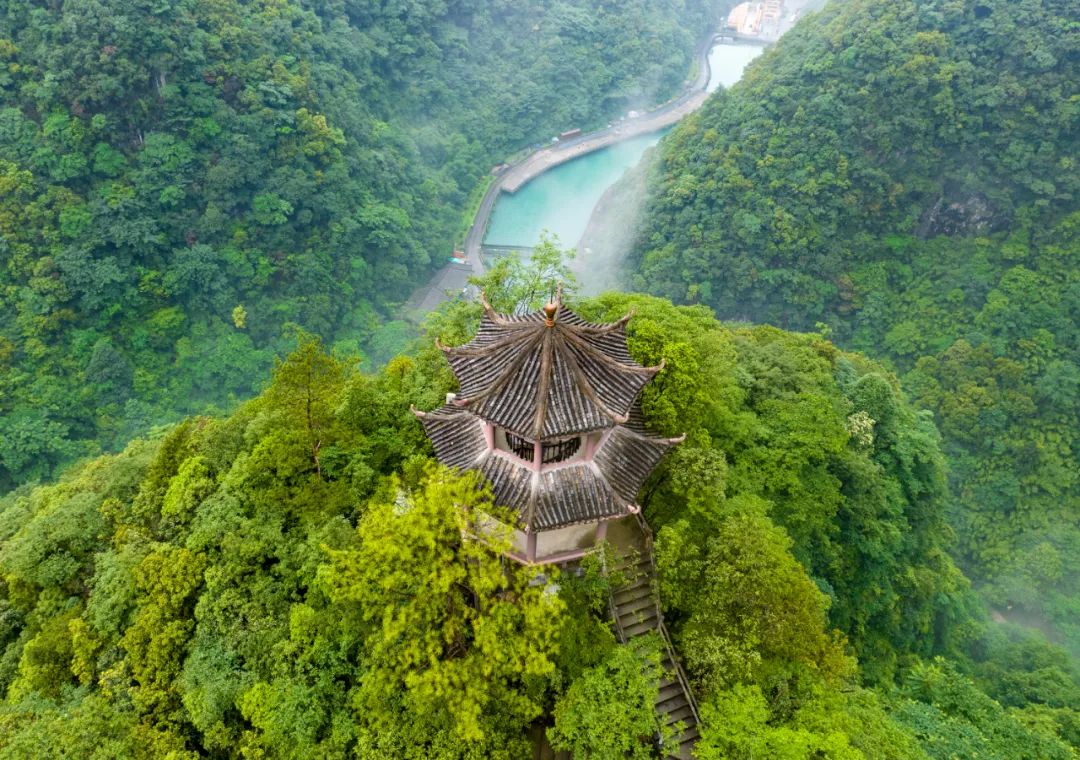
668 689
642 626
632 576
621 609
638 580
633 571
683 713
634 580
633 617
630 619
632 562
645 601
637 612
682 745
689 734
667 693
671 707
634 591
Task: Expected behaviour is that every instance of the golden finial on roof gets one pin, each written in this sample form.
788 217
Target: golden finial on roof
549 314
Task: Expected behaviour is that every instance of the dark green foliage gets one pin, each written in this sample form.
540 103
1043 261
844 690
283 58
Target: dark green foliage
180 181
163 590
90 727
860 498
808 484
869 120
903 176
953 719
292 580
608 712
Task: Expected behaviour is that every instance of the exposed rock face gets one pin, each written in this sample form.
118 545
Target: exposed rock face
958 217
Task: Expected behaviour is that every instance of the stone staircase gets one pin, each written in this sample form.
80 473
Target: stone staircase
636 611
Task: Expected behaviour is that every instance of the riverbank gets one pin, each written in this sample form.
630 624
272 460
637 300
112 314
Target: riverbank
540 161
549 158
648 122
560 201
452 278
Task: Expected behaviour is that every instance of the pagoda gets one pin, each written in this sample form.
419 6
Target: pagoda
548 412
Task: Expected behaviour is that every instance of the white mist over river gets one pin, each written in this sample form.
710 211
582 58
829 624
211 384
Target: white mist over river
727 62
562 200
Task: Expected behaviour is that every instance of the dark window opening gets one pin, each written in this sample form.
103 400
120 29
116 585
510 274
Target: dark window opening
520 447
549 452
559 452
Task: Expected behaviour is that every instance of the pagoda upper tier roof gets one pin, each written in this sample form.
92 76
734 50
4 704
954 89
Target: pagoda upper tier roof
603 486
548 373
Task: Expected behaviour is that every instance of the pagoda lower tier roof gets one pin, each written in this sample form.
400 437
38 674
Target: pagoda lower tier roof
558 495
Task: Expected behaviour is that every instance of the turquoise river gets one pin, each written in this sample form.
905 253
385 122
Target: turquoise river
562 199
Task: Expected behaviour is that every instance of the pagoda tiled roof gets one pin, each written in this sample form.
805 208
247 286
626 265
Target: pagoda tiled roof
548 373
566 494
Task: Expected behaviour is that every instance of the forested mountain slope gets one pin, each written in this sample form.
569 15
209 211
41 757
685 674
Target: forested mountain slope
179 181
904 176
231 589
